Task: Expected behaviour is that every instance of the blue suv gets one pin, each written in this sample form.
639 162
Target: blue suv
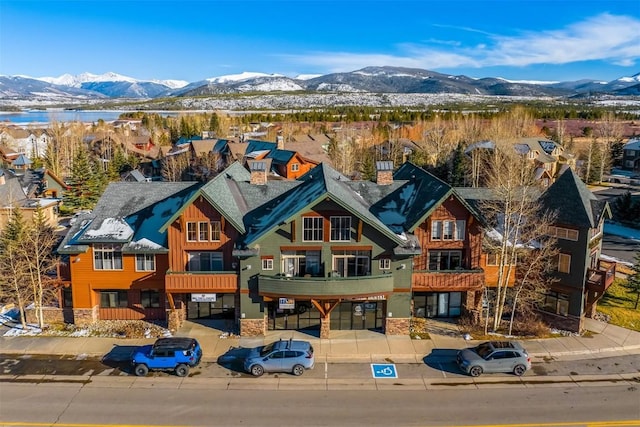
167 354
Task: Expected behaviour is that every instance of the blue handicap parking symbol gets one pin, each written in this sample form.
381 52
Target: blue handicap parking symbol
384 370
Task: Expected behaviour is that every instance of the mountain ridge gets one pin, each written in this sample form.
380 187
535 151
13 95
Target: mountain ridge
398 80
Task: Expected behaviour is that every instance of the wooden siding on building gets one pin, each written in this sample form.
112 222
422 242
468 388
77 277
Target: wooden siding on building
201 282
86 280
447 281
199 211
132 313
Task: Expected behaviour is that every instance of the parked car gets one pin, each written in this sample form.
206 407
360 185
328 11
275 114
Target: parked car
294 356
494 356
167 354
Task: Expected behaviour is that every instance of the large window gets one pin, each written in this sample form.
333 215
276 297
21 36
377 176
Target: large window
150 298
205 261
312 229
564 263
113 299
351 263
448 230
203 231
445 260
107 257
145 262
555 302
340 228
301 263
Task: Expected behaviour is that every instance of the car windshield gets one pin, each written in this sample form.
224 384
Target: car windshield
266 350
484 350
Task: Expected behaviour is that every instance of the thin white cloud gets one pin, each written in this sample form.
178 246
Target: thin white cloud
606 37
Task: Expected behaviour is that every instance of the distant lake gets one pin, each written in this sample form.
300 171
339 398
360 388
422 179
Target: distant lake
44 117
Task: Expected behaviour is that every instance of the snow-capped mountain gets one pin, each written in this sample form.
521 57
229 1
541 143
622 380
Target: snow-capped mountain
373 80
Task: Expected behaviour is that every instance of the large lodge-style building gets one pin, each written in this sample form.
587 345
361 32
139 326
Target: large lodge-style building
320 252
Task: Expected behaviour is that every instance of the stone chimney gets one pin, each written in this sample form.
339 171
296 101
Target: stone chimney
384 173
280 142
258 169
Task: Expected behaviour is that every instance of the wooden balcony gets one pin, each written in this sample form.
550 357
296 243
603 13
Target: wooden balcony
599 279
325 287
201 281
447 280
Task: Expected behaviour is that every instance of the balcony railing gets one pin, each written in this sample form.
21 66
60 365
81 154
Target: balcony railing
325 287
599 279
447 280
201 281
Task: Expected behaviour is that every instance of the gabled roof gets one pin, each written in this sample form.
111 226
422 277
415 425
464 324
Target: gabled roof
220 194
130 213
409 206
573 203
21 160
203 146
316 185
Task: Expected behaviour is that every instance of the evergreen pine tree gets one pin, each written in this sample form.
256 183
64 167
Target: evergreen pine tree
80 194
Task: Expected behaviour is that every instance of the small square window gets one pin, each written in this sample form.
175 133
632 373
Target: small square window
267 264
385 264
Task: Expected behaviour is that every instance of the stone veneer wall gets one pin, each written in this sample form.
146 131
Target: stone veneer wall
397 326
50 315
176 318
253 327
325 327
85 316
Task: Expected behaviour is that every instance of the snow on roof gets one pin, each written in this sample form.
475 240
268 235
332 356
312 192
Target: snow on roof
144 244
112 228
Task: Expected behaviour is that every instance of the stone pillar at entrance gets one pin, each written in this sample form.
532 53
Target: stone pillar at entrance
397 326
253 327
325 327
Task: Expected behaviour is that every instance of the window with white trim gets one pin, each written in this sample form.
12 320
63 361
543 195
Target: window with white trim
312 229
564 263
295 167
267 263
301 263
216 230
340 228
448 229
107 257
145 262
385 264
203 231
192 232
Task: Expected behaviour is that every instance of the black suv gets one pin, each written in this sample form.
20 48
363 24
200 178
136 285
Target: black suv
167 354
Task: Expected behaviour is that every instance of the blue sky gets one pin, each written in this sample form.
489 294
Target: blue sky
556 40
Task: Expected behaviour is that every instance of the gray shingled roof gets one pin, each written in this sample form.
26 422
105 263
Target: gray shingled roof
574 204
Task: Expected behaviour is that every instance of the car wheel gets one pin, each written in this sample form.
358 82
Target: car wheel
182 370
257 370
141 370
519 370
298 370
475 371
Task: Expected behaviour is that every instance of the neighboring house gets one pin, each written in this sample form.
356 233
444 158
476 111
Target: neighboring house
135 176
284 163
321 252
21 163
42 183
7 156
32 143
583 277
549 158
631 155
13 195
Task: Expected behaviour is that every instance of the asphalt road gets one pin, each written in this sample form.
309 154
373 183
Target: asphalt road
82 405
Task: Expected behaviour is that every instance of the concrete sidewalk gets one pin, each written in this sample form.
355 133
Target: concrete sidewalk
347 346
